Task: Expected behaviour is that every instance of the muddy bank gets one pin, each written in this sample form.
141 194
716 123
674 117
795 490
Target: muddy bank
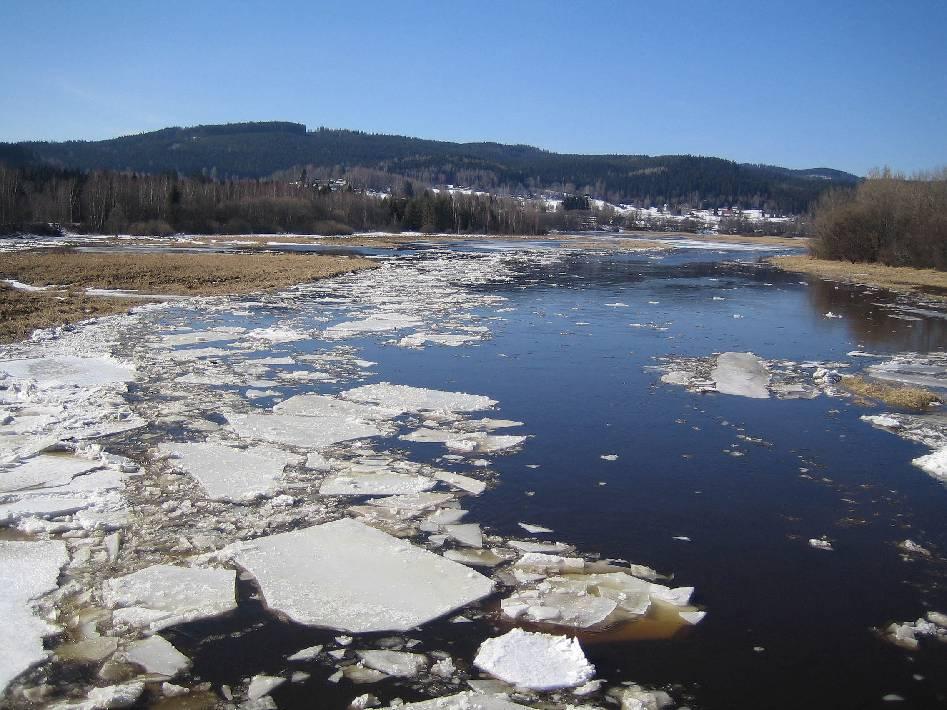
903 279
53 288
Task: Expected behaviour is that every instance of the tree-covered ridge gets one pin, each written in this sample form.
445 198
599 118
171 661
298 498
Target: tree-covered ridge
256 150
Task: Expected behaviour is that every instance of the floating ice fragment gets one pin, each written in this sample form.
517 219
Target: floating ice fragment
44 470
379 323
164 595
306 654
535 661
403 398
262 685
466 483
69 371
934 463
609 457
534 529
820 544
28 570
884 421
228 473
741 374
114 696
384 483
396 663
296 430
156 655
346 575
466 534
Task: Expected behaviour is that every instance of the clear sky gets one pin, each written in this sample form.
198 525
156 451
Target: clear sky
847 84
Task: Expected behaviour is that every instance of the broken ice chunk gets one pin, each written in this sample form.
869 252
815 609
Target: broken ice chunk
534 529
741 374
466 534
384 483
69 371
228 473
417 399
396 663
28 570
156 655
44 470
298 430
535 661
346 575
164 595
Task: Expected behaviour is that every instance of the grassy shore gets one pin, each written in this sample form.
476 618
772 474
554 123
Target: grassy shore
894 395
896 278
70 273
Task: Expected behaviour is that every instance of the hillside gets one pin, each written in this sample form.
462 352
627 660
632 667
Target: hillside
258 150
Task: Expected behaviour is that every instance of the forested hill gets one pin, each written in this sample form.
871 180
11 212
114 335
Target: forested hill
258 150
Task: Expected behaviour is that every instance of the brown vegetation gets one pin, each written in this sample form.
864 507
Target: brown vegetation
895 278
179 274
887 219
894 395
22 312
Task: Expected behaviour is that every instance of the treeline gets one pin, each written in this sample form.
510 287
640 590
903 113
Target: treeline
889 219
132 203
259 150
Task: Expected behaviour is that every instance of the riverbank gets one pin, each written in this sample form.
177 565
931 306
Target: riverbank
904 279
51 288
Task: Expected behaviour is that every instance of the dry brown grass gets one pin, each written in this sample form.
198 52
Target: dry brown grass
22 312
894 395
177 274
895 278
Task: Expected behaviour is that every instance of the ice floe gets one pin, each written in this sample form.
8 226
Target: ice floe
164 595
346 575
228 473
535 661
28 570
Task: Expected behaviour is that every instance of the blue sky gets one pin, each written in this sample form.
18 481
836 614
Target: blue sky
849 85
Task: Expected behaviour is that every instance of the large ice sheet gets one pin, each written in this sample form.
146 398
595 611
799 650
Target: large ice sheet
69 371
535 661
28 570
44 471
301 431
163 595
403 398
320 405
346 575
741 374
230 474
378 323
382 483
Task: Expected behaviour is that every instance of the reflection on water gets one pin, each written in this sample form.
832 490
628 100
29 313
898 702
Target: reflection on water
873 318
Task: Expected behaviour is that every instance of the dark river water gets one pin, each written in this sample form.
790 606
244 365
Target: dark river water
788 626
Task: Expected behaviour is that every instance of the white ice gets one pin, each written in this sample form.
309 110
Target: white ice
468 700
741 374
395 663
403 398
346 575
44 470
535 661
382 483
69 371
156 655
228 473
301 431
164 595
28 570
